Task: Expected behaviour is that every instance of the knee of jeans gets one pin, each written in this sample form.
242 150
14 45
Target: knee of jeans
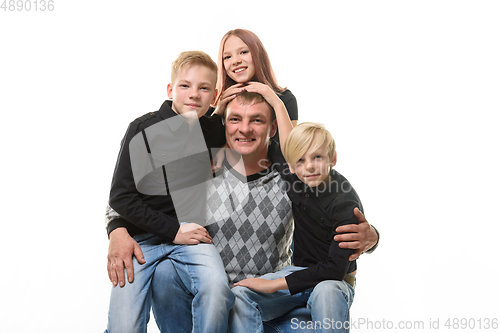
330 285
221 287
218 293
215 288
216 280
329 290
240 292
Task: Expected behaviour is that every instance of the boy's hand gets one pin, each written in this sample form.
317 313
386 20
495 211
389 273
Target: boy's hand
360 237
192 233
219 159
263 285
121 249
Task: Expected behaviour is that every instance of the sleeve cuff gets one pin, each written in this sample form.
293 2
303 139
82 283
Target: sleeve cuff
117 223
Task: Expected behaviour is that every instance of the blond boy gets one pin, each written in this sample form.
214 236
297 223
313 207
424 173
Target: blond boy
164 156
322 276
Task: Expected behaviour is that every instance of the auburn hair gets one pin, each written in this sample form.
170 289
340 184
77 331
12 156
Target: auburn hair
264 72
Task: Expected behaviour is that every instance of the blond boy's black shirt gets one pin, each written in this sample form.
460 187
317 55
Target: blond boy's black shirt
317 213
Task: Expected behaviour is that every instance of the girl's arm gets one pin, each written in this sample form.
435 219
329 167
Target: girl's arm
284 122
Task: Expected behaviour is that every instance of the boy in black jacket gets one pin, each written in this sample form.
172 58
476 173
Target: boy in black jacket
158 190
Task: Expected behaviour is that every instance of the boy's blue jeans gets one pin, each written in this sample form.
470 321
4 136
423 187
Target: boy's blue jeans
329 303
199 268
173 316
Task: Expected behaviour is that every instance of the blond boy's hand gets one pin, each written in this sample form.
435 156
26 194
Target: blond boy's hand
263 285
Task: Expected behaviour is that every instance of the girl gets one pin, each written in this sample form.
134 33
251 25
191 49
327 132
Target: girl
247 66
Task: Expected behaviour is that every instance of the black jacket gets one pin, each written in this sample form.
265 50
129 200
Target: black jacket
143 212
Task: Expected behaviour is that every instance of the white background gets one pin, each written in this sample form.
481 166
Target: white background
409 89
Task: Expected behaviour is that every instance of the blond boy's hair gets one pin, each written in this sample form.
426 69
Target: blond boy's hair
304 136
191 58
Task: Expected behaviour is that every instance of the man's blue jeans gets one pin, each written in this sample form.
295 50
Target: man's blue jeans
172 305
329 303
201 272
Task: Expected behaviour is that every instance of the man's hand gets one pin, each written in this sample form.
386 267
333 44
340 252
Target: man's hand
192 233
121 249
360 237
263 285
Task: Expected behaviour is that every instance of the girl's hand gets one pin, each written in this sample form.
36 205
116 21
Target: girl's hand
266 91
228 95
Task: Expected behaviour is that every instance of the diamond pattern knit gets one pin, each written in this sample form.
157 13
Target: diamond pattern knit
250 223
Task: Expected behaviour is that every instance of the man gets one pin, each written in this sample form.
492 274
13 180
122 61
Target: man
248 216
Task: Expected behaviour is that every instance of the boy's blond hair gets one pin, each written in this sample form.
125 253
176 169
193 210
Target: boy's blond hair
190 58
304 136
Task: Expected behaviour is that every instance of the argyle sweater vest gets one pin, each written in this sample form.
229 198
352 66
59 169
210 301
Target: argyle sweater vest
250 222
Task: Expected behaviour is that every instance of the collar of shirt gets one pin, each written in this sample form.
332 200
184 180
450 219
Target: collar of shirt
166 112
241 177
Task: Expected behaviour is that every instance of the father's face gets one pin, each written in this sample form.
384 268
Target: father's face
248 128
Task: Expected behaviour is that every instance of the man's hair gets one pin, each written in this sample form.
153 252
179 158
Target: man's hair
191 58
250 98
263 70
304 136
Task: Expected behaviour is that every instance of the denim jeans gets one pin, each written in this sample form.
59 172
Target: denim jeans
285 323
329 303
172 301
202 274
172 306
